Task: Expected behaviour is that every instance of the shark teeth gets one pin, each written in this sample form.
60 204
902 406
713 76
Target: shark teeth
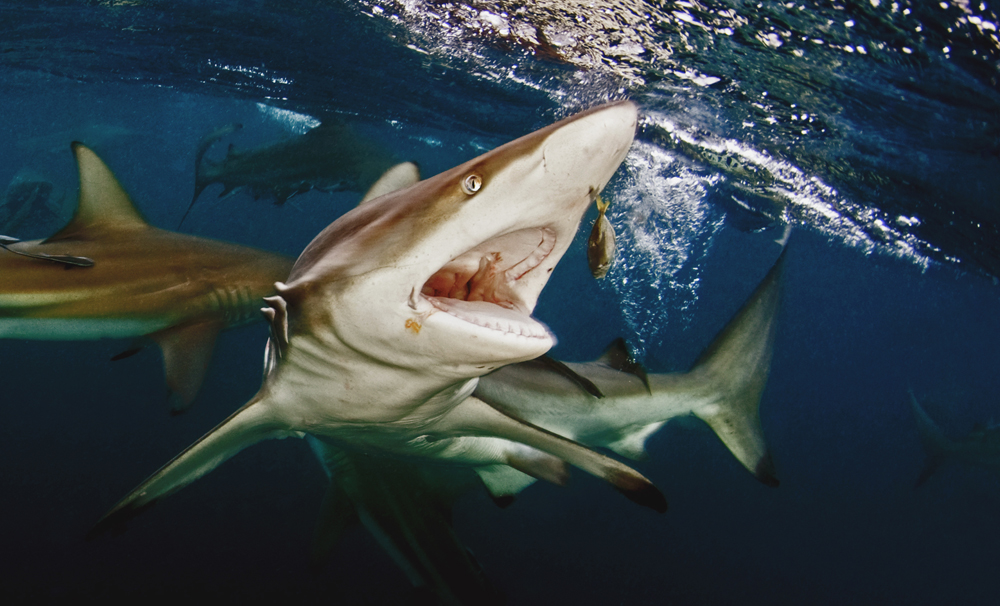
500 319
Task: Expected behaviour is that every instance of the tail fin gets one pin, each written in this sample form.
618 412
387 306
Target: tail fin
735 366
935 442
200 180
247 426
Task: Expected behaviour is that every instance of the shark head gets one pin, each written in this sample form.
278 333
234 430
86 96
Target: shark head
450 268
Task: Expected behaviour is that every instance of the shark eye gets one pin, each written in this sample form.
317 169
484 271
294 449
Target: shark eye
472 183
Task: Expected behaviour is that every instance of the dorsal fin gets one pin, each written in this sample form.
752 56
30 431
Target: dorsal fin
618 356
565 371
103 204
397 177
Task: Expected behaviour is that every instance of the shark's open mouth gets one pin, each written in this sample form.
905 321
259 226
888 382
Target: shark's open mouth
481 286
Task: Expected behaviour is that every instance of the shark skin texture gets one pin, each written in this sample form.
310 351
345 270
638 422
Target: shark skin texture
610 403
979 448
393 312
109 274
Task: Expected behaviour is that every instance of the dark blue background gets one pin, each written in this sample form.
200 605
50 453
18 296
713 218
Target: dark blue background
858 328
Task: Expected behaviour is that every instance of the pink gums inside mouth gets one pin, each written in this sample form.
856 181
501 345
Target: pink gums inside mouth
485 275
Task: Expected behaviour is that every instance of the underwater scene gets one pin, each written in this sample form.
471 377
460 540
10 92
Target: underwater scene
429 302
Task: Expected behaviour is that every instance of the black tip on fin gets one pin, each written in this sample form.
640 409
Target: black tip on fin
619 357
128 353
640 491
116 522
503 501
765 471
177 405
929 468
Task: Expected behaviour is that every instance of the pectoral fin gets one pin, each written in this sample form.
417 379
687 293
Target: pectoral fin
475 417
248 425
186 353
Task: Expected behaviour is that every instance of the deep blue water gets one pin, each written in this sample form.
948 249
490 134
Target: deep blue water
886 162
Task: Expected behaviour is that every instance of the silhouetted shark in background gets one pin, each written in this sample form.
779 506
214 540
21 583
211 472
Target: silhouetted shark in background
980 448
392 313
132 280
330 157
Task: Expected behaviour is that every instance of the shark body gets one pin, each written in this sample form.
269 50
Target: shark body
610 402
613 403
329 157
177 289
980 448
394 311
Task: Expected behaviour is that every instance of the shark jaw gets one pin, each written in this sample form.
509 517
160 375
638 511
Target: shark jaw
449 270
480 287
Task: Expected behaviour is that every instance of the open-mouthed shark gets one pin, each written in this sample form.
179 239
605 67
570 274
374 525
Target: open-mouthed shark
980 448
393 312
610 403
128 279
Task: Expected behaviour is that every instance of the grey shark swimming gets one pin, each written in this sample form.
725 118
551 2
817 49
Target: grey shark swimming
980 448
611 403
135 281
329 157
393 312
614 403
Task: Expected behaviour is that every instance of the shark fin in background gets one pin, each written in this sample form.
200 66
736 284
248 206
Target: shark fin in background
618 356
337 512
200 181
245 427
409 514
736 366
935 443
103 205
399 176
186 353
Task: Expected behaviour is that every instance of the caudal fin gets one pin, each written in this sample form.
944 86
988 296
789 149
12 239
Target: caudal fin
936 444
248 425
734 368
201 181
